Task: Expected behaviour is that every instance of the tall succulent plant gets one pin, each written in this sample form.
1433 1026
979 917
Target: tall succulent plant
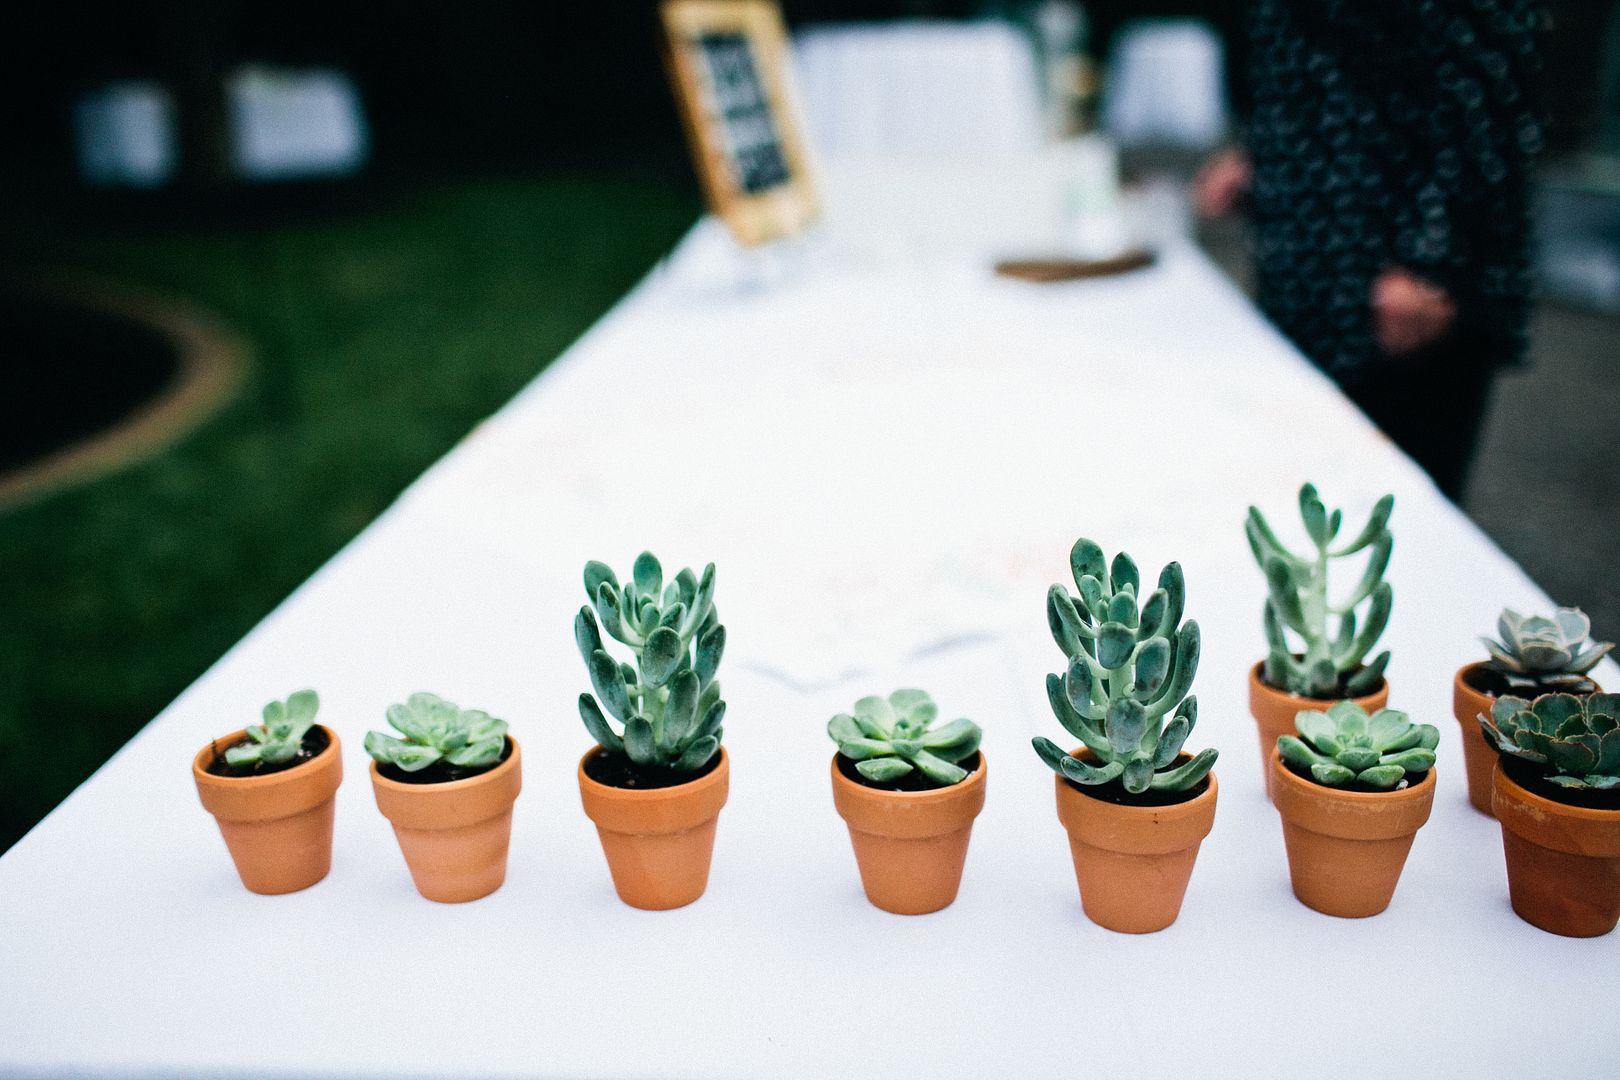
1538 655
1131 665
1576 740
277 740
667 701
890 739
1345 746
1333 663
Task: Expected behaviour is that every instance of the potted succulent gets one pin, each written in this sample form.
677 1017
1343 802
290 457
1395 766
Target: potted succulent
1330 664
1136 807
909 793
447 787
270 787
1535 656
654 789
1557 795
1353 790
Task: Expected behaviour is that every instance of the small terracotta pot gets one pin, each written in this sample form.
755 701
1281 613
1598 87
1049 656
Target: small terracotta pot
658 842
454 835
1563 862
1346 848
1479 757
1132 863
278 827
1274 711
910 845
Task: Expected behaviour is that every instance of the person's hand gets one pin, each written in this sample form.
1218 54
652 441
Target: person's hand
1408 312
1221 183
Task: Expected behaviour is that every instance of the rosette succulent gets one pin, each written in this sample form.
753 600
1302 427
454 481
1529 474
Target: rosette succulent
438 732
1131 664
1345 746
1576 740
890 739
1333 661
277 740
1538 655
667 701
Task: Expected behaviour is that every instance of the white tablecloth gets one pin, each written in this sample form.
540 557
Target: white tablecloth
888 451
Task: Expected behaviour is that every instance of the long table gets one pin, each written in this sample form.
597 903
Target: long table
888 452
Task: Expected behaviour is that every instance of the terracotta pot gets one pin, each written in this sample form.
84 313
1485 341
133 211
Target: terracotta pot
1346 848
910 845
1132 863
1563 862
1478 755
278 827
454 835
659 841
1274 711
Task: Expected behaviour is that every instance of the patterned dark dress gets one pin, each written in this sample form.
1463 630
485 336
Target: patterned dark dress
1395 133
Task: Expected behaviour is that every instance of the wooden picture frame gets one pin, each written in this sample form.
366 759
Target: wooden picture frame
729 65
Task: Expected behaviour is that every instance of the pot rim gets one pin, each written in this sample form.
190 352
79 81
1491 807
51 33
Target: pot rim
1255 681
465 784
1186 805
939 794
598 789
1462 691
1411 791
1543 804
200 771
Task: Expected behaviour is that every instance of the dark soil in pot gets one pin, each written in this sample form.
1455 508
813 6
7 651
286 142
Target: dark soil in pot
315 741
616 770
441 771
912 781
1483 680
1534 780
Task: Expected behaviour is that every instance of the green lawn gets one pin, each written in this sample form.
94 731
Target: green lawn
380 335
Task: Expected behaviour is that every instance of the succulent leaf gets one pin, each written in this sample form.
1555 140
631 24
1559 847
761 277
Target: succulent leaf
886 733
1117 689
1344 745
436 729
666 695
1335 639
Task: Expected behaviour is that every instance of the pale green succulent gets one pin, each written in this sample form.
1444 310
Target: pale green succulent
1538 655
1345 746
889 739
436 730
277 740
1130 666
1333 662
668 701
1576 739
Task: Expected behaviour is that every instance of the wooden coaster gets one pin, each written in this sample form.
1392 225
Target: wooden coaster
1049 270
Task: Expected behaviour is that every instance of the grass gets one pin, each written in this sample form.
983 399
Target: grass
380 336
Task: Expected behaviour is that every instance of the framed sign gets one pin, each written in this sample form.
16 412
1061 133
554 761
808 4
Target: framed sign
728 61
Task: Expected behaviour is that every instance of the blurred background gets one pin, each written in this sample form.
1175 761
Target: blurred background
262 263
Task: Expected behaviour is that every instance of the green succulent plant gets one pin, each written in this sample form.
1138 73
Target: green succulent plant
1345 746
1131 664
277 740
1333 662
667 701
1575 739
889 739
436 730
1538 655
